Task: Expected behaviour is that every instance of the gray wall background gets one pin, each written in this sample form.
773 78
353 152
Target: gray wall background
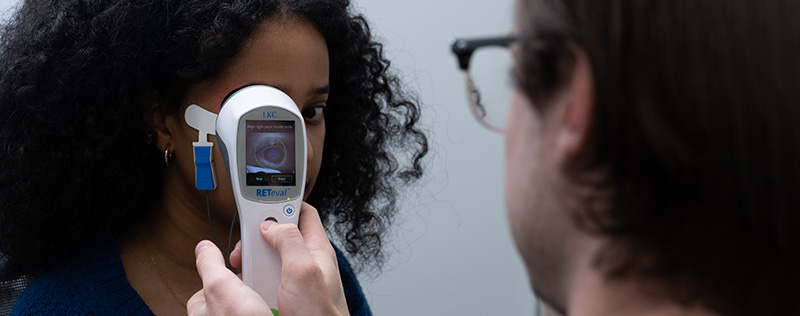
451 251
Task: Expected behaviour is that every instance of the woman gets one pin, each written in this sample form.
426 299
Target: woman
97 167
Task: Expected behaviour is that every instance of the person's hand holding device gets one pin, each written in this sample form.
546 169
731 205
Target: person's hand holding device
308 262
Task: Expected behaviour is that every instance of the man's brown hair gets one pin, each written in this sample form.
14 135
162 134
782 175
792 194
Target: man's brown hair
696 130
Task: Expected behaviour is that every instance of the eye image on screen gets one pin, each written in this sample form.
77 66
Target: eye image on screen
270 153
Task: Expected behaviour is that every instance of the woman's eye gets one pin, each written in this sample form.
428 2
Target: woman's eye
314 114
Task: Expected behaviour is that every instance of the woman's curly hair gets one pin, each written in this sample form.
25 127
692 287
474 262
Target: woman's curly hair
78 76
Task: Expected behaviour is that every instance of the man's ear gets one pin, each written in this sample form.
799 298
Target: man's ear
579 99
159 118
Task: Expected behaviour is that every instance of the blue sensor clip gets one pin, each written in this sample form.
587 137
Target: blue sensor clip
204 122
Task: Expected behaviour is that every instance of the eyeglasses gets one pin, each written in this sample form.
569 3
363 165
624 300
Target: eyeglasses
487 69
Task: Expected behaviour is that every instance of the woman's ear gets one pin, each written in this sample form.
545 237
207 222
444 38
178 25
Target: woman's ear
158 117
576 117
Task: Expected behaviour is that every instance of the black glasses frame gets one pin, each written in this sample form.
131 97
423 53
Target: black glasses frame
463 49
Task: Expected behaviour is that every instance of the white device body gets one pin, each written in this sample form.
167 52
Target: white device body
241 116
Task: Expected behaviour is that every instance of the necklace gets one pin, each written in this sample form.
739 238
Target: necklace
163 280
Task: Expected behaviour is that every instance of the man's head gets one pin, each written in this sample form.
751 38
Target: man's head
665 132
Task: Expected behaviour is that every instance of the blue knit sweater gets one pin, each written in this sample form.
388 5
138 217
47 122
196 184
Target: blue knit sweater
96 285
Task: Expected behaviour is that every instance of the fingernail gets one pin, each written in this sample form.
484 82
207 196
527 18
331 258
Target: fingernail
202 245
266 225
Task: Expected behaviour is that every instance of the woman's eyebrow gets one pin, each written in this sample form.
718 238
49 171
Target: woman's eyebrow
311 92
320 90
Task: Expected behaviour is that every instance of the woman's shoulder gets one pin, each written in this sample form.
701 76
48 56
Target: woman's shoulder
95 284
53 294
356 300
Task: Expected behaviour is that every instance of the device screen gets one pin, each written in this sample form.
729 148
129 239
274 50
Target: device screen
270 156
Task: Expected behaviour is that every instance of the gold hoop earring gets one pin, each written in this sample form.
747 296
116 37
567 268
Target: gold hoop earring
167 155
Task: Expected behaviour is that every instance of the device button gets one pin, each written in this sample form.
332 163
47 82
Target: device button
289 210
271 219
282 179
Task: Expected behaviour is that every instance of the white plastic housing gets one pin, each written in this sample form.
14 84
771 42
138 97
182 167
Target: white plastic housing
261 265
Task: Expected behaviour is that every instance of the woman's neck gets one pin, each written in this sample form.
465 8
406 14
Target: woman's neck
158 252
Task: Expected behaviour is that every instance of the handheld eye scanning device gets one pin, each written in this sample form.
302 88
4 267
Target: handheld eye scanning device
262 137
